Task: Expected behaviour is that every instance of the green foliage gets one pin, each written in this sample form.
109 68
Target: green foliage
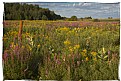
44 17
96 20
73 18
110 18
88 17
17 11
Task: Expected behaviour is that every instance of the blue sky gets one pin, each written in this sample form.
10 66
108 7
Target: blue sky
83 9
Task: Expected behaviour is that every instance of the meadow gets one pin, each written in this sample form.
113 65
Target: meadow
61 50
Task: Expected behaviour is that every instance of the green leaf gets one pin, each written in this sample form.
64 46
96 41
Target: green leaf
99 56
105 56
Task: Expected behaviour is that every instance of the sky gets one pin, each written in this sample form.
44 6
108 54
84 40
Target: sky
82 9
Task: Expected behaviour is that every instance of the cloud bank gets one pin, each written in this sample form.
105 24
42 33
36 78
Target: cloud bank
83 9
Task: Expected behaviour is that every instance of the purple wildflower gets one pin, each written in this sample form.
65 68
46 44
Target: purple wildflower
16 49
109 54
5 56
58 62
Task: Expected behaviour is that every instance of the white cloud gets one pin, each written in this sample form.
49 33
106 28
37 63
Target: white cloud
74 4
80 4
68 5
82 9
87 4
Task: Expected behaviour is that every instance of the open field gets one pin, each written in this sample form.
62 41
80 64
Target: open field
61 50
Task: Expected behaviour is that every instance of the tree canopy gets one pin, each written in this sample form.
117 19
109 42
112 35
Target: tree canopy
73 18
17 11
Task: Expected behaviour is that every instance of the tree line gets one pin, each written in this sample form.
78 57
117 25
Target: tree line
23 11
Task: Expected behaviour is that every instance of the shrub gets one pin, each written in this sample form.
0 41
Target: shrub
96 20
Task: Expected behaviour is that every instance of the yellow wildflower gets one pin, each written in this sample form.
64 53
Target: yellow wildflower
85 51
23 46
87 59
38 45
95 59
64 29
67 42
83 54
12 45
27 33
94 53
71 49
76 46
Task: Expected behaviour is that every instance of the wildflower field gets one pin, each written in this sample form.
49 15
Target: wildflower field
61 50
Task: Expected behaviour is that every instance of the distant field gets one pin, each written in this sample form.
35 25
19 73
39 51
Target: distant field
37 23
110 20
61 50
